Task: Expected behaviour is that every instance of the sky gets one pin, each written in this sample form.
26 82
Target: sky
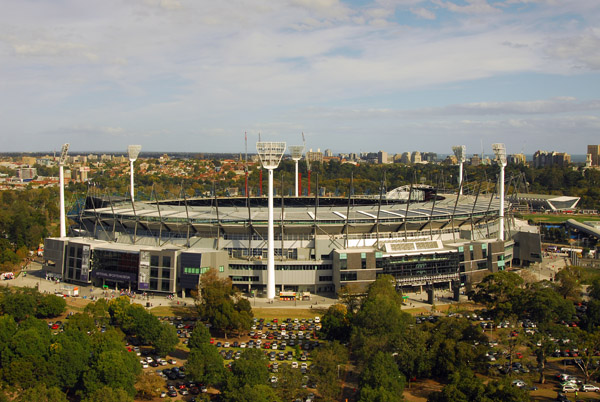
353 76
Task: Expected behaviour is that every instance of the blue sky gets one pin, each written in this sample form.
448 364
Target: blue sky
354 76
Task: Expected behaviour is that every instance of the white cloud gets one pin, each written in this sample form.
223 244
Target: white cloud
423 13
472 7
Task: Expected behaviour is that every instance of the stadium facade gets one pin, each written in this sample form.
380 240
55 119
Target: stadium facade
321 244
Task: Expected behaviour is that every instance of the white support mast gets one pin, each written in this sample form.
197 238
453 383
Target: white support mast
500 152
460 151
296 151
133 151
61 174
270 154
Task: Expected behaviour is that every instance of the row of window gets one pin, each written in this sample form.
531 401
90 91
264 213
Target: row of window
308 267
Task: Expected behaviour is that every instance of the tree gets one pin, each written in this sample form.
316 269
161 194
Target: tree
335 323
41 393
498 291
18 305
251 393
219 303
463 387
250 369
289 384
205 364
200 335
324 370
545 305
588 343
165 340
148 385
412 353
108 394
568 282
50 306
381 379
69 358
114 369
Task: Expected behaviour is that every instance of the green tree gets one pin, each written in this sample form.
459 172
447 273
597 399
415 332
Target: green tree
40 393
19 305
108 394
114 369
289 384
250 369
70 358
568 282
381 379
324 370
205 364
50 306
336 324
499 291
200 335
251 393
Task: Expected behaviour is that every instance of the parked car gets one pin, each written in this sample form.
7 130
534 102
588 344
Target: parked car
589 388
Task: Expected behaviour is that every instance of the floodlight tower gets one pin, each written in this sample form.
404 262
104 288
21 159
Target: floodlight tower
61 175
133 151
270 154
500 152
296 151
460 153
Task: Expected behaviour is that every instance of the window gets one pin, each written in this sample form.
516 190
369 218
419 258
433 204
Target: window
166 261
154 260
154 272
343 261
348 276
166 273
363 260
221 268
164 286
325 278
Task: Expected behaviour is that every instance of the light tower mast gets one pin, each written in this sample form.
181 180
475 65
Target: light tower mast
61 174
296 151
270 154
133 151
460 151
500 152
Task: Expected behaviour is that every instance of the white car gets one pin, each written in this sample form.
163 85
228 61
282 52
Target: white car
589 388
569 388
243 345
273 380
226 345
519 383
317 319
294 364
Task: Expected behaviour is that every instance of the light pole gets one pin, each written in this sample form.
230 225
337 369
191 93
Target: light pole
500 152
460 153
133 151
296 151
270 154
61 175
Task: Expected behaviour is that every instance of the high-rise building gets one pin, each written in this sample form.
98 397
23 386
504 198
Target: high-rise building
416 157
328 153
544 158
314 156
382 157
517 159
594 151
405 158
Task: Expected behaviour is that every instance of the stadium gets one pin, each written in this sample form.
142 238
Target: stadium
422 237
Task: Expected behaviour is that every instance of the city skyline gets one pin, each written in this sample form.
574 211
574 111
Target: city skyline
353 76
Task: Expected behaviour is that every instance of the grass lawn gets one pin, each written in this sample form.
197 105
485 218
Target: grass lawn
282 313
543 218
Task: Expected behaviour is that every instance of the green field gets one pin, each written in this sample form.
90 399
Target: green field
543 218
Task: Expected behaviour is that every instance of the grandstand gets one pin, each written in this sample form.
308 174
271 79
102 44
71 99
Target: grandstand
321 244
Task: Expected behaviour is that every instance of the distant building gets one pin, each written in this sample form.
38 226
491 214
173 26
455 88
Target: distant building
28 160
314 156
416 157
543 158
328 153
517 159
429 157
405 158
475 160
106 158
382 157
26 173
594 152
